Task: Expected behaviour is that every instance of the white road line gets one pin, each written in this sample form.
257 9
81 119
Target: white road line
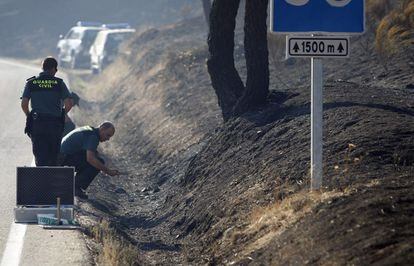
14 246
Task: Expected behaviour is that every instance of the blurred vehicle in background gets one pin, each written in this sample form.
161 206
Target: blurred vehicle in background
105 47
73 49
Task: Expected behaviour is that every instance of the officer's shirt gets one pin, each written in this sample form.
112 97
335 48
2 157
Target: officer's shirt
80 139
46 94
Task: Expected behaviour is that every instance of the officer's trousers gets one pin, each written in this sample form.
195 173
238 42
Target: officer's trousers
85 172
46 136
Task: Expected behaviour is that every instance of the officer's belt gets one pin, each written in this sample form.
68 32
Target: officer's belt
46 117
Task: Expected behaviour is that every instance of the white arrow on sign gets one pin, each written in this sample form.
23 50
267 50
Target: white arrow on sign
317 46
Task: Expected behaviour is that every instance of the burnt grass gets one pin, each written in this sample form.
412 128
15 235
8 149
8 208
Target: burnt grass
195 184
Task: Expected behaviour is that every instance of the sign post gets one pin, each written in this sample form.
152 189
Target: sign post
302 20
316 122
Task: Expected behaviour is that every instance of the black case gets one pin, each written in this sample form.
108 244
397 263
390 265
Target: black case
41 186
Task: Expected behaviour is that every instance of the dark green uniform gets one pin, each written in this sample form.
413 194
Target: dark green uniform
73 153
81 139
46 94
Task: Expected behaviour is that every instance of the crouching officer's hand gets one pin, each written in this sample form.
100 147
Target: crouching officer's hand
112 172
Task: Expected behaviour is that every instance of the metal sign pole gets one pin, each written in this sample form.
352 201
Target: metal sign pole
316 122
296 17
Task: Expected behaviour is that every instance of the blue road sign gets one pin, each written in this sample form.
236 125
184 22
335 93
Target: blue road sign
317 16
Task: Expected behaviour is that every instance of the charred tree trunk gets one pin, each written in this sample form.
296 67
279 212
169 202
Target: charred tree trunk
257 57
233 97
207 9
224 77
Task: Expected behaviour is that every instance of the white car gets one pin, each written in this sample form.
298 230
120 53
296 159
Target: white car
73 49
105 47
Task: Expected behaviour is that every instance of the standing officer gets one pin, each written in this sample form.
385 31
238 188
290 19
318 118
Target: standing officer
45 120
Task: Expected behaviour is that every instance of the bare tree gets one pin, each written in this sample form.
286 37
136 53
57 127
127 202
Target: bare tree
233 97
224 76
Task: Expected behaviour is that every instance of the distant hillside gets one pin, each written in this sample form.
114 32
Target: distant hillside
31 28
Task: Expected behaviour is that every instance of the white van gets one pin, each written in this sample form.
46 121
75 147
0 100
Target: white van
73 48
105 47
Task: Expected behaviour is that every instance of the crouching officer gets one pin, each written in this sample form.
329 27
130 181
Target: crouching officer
44 122
79 149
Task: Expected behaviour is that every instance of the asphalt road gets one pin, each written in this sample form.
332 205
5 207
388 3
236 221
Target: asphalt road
39 246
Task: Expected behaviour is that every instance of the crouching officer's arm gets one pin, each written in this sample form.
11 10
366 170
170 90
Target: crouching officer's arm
25 106
68 103
92 160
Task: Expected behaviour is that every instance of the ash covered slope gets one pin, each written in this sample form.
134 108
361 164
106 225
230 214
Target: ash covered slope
200 192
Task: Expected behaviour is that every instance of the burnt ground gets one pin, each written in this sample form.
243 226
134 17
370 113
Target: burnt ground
203 192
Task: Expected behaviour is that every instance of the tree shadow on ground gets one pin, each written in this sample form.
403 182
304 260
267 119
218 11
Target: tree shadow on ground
291 112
